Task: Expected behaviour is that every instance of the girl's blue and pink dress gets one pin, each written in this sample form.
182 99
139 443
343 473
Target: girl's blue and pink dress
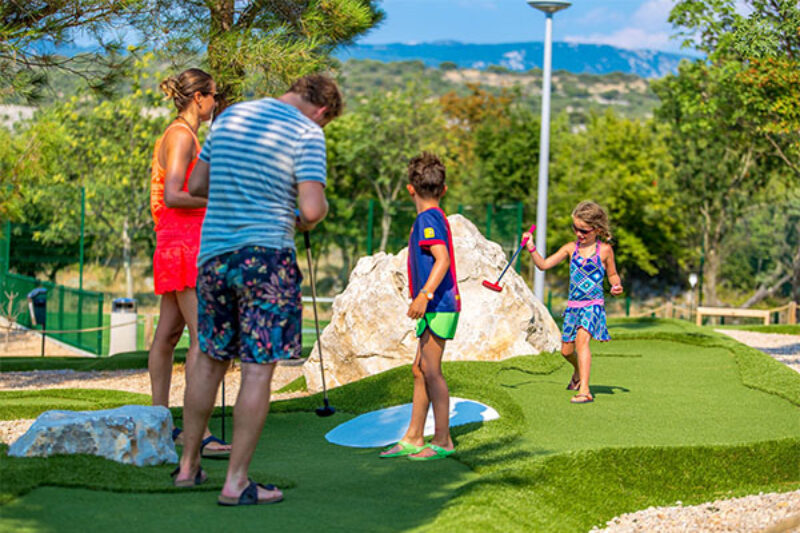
586 307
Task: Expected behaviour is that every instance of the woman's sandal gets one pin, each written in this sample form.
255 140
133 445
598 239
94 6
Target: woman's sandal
439 453
214 453
582 398
249 496
574 384
199 478
405 449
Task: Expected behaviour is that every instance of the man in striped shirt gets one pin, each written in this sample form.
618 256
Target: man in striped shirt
262 160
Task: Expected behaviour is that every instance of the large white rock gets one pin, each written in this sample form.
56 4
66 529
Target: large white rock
132 434
370 332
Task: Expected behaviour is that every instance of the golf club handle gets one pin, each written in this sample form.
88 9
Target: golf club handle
314 304
531 230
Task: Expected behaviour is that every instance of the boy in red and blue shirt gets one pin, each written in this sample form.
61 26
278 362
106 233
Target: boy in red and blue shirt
435 304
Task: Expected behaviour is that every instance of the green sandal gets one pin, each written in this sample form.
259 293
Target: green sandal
440 453
405 449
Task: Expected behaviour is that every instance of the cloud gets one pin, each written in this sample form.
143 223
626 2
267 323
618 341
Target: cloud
648 29
629 38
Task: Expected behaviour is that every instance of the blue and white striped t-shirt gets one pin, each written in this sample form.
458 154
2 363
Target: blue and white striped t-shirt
258 152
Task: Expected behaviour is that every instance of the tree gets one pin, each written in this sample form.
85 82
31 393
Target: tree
507 153
749 85
766 42
466 115
764 249
278 40
347 194
374 143
720 165
625 166
104 146
31 30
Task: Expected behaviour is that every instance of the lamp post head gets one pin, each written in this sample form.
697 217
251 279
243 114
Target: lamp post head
693 279
548 7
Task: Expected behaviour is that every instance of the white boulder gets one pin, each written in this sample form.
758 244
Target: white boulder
132 434
369 331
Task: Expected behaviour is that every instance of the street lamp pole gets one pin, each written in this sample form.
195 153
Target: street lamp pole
544 138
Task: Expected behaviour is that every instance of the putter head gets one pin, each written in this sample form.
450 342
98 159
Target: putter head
492 286
325 411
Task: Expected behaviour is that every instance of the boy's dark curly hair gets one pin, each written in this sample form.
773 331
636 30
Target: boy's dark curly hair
426 173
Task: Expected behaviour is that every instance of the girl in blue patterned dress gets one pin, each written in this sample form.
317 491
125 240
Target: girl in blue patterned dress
585 317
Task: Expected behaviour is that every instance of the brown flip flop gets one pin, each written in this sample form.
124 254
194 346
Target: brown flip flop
582 398
574 384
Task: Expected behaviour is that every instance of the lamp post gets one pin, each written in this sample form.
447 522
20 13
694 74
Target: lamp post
692 283
544 138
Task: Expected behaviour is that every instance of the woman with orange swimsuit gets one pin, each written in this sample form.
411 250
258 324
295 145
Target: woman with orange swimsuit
178 220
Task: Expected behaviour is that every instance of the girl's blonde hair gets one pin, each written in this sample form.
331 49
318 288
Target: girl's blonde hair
181 88
594 215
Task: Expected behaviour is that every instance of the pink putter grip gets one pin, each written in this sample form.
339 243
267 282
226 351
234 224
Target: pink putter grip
525 240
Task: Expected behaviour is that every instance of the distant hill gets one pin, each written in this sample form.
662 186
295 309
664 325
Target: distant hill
577 58
578 95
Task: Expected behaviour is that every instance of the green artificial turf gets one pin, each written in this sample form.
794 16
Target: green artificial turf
32 403
296 385
681 413
121 361
785 329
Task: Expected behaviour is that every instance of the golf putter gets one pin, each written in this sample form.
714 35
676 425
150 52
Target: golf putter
496 285
327 409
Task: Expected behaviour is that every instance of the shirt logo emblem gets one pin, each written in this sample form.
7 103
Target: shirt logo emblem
429 233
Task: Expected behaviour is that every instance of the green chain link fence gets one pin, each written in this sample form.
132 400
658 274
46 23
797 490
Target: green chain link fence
68 309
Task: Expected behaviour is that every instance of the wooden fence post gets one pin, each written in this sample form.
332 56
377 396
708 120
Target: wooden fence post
791 313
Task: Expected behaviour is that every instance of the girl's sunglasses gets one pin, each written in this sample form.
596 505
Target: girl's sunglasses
581 231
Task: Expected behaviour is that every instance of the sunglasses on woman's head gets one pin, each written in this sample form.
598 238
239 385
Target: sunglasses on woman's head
581 231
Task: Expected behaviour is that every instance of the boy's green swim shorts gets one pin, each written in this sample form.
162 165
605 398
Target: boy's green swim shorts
443 325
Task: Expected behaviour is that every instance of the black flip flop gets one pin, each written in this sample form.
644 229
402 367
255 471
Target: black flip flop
249 496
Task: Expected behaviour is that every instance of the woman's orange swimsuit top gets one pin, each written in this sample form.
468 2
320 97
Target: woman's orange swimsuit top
158 174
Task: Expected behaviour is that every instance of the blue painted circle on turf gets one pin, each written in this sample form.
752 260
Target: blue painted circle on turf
387 426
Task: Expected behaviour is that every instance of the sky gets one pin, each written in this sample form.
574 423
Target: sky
631 24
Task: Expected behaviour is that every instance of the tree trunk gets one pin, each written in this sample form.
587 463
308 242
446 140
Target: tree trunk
126 259
766 290
796 276
711 273
386 224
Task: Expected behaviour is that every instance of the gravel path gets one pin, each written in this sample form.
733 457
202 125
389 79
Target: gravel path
762 512
783 348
